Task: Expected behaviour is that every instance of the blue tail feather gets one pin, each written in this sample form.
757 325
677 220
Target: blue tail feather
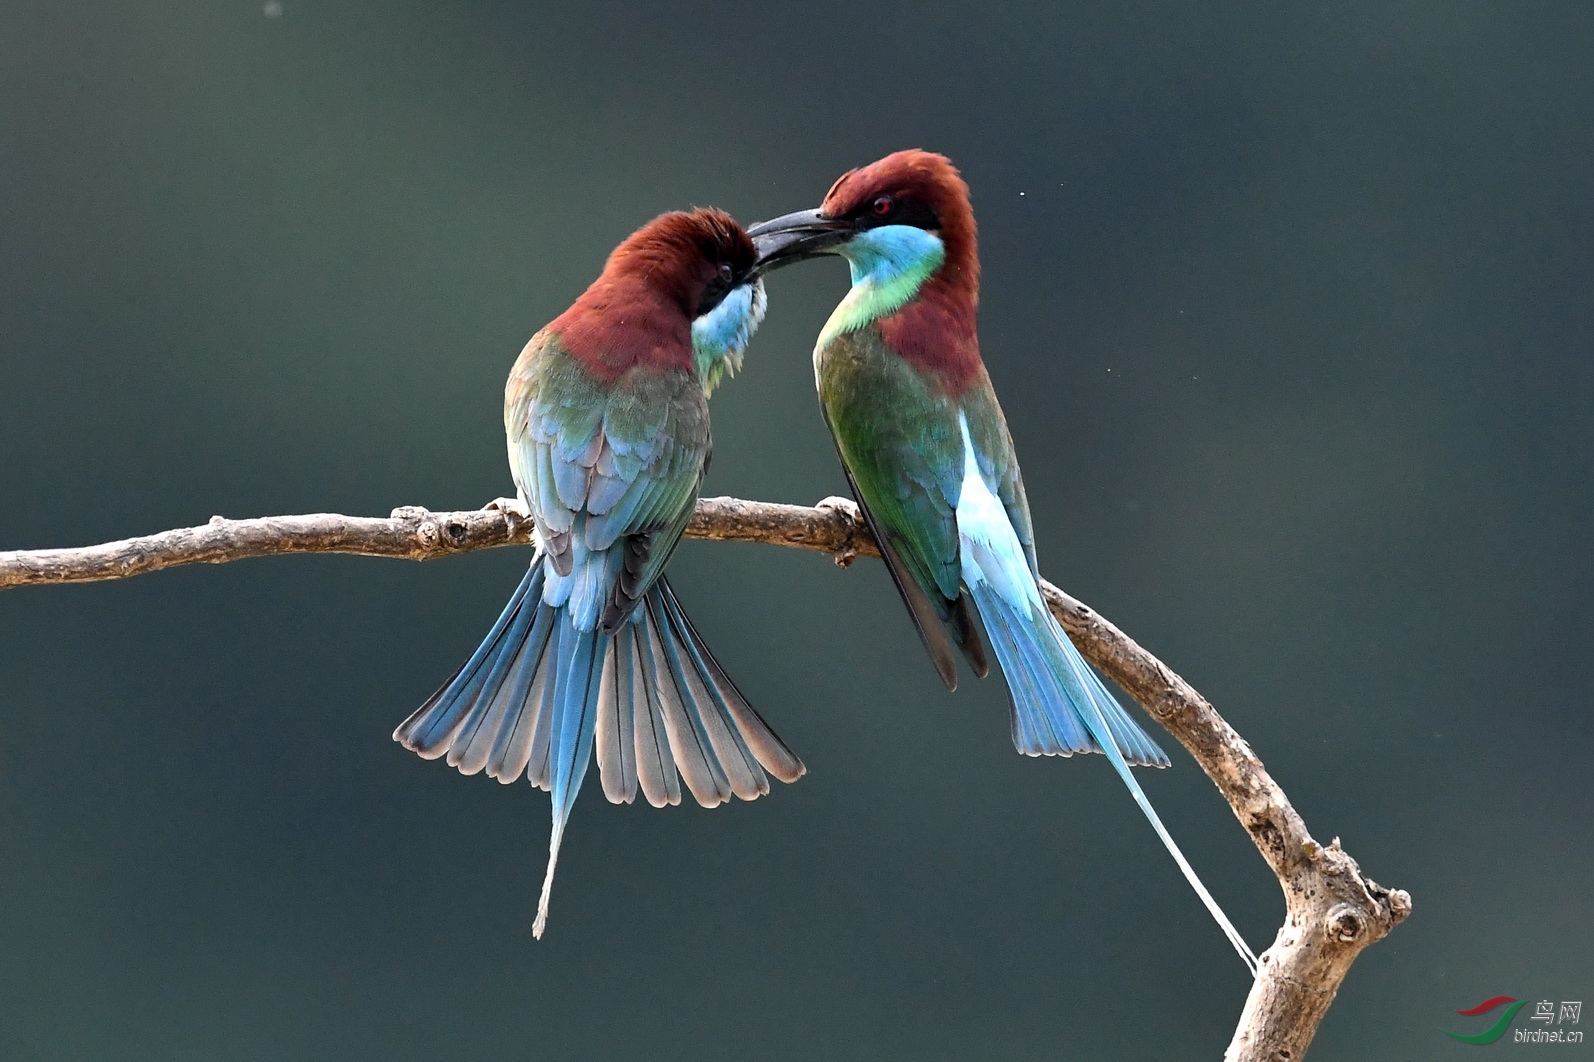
500 707
1034 735
1075 679
1022 693
575 703
1046 723
540 701
430 728
655 767
483 689
693 756
544 692
616 750
713 712
718 751
577 684
1136 746
1081 715
512 748
753 736
739 734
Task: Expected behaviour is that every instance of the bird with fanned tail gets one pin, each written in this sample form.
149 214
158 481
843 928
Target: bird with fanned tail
606 414
928 455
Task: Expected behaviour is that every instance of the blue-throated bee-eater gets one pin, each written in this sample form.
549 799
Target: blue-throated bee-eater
606 413
929 458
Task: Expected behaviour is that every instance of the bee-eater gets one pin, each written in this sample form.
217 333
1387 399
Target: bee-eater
606 413
929 458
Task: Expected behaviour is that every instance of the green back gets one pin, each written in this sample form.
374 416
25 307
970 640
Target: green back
611 461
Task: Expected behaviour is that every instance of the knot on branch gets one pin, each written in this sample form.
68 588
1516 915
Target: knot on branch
1327 895
1395 903
1344 924
421 524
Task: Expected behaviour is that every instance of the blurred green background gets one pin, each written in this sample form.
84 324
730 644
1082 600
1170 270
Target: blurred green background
1291 309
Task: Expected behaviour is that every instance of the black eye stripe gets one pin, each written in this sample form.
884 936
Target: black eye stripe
904 211
716 289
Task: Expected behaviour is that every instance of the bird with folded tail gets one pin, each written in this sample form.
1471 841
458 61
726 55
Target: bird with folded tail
928 455
606 415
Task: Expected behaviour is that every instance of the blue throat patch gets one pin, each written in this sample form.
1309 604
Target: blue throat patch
720 337
889 265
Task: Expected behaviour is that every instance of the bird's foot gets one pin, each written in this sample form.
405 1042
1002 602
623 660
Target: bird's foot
513 506
516 514
846 512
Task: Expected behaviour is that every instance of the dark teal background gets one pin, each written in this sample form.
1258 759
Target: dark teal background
1292 312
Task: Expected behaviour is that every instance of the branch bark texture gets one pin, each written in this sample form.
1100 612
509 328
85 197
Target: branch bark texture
1332 910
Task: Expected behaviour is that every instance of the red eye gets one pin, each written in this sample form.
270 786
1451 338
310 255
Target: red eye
882 206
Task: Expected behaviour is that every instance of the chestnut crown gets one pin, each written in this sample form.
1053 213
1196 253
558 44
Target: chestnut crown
692 258
912 187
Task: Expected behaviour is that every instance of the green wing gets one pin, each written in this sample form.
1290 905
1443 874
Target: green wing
902 450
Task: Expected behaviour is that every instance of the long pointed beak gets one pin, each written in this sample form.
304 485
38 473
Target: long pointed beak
794 237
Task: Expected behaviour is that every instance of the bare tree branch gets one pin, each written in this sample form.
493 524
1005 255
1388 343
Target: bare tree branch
411 533
1332 910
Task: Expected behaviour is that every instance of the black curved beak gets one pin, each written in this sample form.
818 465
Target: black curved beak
794 237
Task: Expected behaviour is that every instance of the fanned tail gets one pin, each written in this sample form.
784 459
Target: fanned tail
539 696
1060 707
